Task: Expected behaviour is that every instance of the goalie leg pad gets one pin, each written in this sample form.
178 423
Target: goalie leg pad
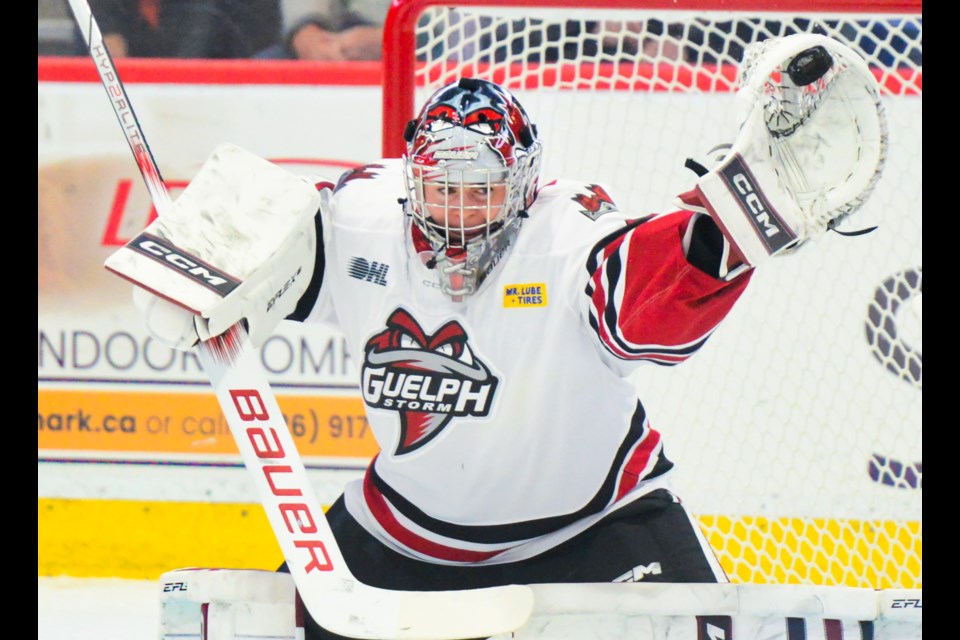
229 604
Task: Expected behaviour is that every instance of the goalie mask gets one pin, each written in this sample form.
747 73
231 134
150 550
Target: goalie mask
471 171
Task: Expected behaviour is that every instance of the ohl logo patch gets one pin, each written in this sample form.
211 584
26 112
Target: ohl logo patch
367 271
427 379
597 203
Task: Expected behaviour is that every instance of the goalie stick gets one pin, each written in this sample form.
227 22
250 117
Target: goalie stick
332 595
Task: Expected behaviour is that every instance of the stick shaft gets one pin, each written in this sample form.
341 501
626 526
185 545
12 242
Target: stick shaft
121 104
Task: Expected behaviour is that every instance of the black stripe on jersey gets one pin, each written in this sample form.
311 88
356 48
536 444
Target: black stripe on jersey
593 261
309 298
514 532
612 270
649 354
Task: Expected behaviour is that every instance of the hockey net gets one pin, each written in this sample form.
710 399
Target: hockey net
797 430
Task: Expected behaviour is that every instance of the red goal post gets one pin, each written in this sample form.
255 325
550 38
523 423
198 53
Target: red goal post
797 430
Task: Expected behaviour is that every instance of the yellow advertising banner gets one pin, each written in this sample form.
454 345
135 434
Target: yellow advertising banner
190 423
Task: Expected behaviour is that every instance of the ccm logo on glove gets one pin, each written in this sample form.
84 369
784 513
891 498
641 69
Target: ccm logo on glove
765 220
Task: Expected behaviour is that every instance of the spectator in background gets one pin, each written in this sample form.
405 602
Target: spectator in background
651 38
187 28
330 30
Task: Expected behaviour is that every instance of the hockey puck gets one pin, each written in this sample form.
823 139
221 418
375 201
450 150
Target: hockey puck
809 66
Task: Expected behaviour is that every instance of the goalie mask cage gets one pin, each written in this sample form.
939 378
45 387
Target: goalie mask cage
797 429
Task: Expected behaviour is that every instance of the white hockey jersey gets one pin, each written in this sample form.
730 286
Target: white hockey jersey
505 421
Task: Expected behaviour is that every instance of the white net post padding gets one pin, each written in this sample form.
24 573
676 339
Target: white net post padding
640 611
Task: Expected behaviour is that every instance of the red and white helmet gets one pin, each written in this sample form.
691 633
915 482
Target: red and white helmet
471 168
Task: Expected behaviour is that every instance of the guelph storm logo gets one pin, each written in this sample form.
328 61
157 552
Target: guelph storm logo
596 204
427 379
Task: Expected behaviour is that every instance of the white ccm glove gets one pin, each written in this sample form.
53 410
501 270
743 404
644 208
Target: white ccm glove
809 152
239 244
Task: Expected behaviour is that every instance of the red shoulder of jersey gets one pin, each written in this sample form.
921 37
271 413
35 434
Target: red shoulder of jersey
647 302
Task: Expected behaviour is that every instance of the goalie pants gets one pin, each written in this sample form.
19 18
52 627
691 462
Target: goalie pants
653 539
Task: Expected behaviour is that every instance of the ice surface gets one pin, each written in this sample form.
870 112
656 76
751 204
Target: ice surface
97 609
